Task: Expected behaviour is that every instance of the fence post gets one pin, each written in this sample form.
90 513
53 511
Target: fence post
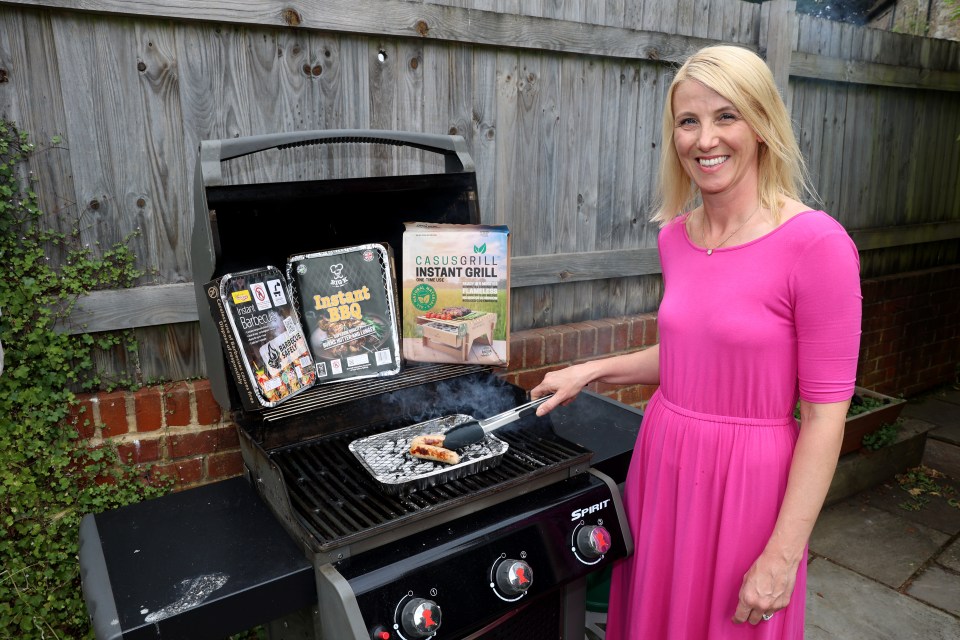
777 34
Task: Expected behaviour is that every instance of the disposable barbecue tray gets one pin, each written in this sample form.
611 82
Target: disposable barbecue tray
387 456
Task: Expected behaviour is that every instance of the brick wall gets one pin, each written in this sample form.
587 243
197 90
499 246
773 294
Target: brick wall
911 343
535 352
176 430
911 331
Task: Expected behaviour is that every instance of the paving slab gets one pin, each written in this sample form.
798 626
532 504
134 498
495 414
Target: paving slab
939 587
844 605
948 394
934 411
949 434
861 470
942 456
950 558
937 513
873 542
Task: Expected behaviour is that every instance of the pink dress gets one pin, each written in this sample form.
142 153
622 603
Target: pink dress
743 332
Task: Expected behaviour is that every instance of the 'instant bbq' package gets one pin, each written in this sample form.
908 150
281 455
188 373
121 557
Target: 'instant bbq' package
346 301
261 332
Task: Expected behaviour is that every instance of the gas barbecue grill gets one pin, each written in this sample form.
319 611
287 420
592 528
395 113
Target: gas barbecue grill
490 553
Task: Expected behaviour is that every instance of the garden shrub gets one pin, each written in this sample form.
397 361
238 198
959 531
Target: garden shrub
49 476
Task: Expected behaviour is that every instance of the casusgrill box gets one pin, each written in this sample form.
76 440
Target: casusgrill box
456 293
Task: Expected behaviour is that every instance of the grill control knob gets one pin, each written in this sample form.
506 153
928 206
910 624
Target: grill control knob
420 618
514 577
593 541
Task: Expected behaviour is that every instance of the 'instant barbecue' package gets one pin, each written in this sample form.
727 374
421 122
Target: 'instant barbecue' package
346 300
456 293
263 339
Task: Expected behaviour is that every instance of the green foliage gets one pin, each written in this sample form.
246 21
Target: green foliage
953 9
861 404
882 437
49 477
923 483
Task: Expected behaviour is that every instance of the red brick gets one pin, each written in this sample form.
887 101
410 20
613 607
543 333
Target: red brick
571 345
510 378
208 409
139 451
552 346
604 336
650 335
621 335
588 339
516 352
529 379
872 323
632 395
533 350
873 378
870 290
81 417
182 472
113 413
880 349
224 465
177 405
148 409
606 388
182 445
636 332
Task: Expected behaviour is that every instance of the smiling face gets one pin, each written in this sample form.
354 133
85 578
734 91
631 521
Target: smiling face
714 144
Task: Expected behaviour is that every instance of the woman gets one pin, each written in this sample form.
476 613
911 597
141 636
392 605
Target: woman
761 306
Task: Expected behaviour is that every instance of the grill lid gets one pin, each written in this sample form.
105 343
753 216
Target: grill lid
317 214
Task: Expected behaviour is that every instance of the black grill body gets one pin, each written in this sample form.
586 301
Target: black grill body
297 454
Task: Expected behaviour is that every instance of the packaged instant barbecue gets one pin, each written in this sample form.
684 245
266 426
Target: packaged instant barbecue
265 344
347 302
456 293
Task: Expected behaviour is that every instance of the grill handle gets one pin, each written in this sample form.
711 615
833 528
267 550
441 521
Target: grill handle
212 152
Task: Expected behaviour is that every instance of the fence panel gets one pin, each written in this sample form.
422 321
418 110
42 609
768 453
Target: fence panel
559 101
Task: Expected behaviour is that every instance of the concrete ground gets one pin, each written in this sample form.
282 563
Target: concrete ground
885 561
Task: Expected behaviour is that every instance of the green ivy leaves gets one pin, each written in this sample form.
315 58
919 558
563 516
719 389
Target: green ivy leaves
49 477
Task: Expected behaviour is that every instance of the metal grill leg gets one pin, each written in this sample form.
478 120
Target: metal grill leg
574 610
300 625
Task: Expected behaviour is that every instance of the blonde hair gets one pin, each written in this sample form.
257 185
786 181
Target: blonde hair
742 77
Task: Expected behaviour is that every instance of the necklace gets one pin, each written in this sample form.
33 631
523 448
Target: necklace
703 231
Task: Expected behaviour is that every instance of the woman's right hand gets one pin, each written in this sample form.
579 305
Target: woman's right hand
564 384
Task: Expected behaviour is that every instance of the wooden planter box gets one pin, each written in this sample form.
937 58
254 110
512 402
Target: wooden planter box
861 424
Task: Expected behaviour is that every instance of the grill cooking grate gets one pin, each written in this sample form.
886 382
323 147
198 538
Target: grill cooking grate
338 502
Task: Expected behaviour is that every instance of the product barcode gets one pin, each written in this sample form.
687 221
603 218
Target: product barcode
383 356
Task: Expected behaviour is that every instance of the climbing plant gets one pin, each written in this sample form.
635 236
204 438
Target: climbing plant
49 476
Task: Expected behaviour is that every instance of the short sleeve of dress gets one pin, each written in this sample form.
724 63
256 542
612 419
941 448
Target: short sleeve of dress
827 311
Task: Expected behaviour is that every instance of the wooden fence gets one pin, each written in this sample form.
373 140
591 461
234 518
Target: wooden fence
559 102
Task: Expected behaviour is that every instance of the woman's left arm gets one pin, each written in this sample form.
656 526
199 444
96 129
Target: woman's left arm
768 585
825 286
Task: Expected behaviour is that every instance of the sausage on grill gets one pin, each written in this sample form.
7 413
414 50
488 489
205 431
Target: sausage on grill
427 447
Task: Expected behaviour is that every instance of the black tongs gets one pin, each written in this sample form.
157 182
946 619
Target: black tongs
473 431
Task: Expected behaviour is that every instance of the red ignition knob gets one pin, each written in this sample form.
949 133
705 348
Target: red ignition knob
593 541
420 618
380 633
514 577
